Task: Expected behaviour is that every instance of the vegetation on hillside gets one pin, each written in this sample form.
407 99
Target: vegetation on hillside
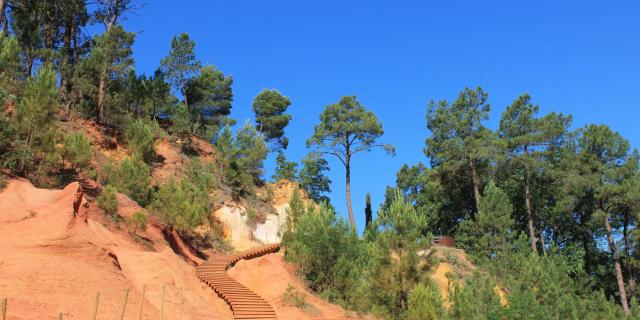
548 214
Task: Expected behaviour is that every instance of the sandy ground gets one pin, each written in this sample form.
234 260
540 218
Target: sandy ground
269 277
52 263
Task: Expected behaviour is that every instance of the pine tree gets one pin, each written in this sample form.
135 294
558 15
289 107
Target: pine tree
459 142
527 139
313 179
181 64
269 107
285 170
492 230
109 60
36 118
10 65
425 303
210 97
395 268
347 128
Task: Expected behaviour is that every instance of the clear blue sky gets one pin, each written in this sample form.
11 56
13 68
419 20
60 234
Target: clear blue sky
575 57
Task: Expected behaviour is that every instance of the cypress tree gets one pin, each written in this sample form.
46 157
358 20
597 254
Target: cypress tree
367 210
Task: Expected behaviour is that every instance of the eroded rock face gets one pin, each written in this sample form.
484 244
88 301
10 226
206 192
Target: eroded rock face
49 264
242 235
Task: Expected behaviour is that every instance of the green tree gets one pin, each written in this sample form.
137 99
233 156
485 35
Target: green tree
269 107
603 165
210 96
459 143
347 128
328 254
109 60
74 17
313 179
527 139
77 150
425 303
250 151
27 20
108 201
10 64
295 210
285 170
181 205
491 232
36 118
181 64
138 221
7 137
395 269
133 178
141 135
368 213
159 91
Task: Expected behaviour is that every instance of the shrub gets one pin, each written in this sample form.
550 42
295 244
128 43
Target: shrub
7 134
240 183
294 297
328 254
181 205
141 135
425 303
132 177
108 201
138 221
77 150
3 182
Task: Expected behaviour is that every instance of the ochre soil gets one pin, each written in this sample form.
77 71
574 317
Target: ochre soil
51 262
269 276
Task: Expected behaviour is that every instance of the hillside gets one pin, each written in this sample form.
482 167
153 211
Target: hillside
53 262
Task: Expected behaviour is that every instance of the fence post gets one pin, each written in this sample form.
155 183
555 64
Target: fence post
124 304
181 303
162 305
144 287
3 309
60 316
95 307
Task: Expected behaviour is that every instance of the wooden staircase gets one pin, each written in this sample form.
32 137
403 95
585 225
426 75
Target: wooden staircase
244 303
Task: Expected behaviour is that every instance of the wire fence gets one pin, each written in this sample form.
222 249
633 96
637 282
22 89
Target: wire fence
173 305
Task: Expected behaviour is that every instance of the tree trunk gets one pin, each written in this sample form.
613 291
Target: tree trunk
627 252
184 94
544 249
352 219
527 201
3 21
476 185
101 88
616 261
65 74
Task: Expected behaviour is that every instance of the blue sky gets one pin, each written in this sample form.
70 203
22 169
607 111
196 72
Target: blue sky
574 57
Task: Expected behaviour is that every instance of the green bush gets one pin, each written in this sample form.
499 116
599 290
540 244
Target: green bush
132 177
77 150
181 205
141 135
328 253
7 134
425 303
294 297
240 183
138 221
108 201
